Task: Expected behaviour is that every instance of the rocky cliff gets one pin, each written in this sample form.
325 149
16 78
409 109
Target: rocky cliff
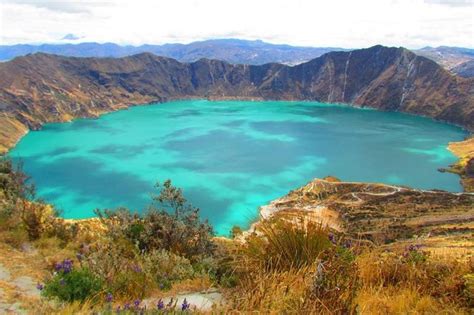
379 212
41 88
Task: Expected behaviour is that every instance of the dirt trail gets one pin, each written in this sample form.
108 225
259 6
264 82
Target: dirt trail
13 289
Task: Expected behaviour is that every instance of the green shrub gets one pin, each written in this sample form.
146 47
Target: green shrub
14 186
130 272
13 181
74 285
170 224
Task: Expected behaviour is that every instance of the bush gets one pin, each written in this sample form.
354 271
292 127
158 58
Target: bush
13 181
35 217
170 224
115 262
13 187
130 272
69 284
165 268
19 205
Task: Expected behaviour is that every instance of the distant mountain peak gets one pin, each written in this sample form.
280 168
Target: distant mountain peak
71 36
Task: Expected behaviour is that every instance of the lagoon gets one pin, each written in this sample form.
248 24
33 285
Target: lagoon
230 157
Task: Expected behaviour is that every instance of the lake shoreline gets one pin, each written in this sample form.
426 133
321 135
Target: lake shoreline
6 147
454 168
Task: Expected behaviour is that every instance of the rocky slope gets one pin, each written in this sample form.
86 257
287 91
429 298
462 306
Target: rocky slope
42 88
465 69
377 212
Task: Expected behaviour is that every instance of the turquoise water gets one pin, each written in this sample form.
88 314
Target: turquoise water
231 156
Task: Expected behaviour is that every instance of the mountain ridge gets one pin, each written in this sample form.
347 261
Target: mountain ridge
230 50
42 88
451 58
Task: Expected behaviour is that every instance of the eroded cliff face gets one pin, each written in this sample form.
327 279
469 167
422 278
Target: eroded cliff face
42 88
378 212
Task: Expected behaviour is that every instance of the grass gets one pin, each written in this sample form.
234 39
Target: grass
394 300
283 245
295 268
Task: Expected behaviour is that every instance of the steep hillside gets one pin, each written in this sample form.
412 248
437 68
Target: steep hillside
465 69
44 88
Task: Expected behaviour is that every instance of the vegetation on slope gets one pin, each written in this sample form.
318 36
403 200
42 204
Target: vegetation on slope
465 166
290 263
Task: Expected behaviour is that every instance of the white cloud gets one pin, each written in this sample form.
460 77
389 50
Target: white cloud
341 23
454 3
66 6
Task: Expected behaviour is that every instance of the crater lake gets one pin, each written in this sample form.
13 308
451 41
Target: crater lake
230 157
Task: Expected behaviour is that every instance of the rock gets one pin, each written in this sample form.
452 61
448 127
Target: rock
4 273
9 308
27 285
28 248
202 301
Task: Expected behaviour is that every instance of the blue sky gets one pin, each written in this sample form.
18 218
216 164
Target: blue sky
335 23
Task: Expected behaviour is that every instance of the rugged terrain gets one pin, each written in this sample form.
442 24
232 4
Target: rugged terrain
377 212
465 69
42 88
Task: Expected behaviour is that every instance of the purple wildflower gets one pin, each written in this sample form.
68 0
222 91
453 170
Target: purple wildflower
185 305
126 306
160 305
58 266
137 303
39 286
347 244
65 266
79 257
109 297
137 268
332 238
117 310
413 248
